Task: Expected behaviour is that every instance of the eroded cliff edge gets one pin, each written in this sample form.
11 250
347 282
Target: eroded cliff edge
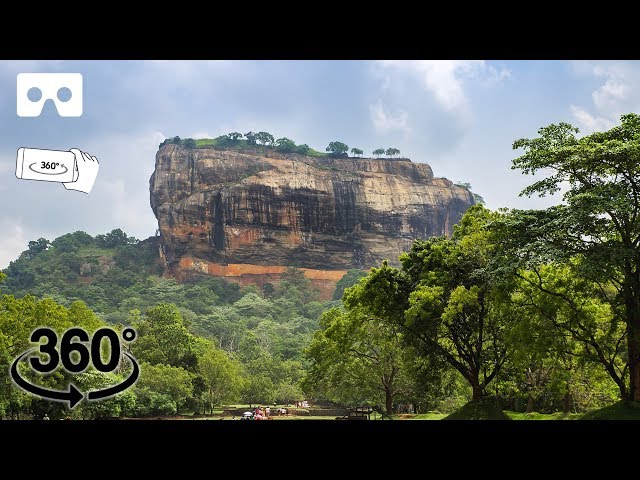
248 215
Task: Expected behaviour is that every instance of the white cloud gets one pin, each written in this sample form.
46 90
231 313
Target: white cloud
13 240
590 122
201 134
615 95
384 121
445 78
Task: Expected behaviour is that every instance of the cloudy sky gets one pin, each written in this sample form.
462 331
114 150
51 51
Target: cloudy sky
461 117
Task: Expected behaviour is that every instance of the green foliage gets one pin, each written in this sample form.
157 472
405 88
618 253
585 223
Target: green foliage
251 138
618 411
35 247
444 301
356 151
265 138
256 339
476 197
160 379
116 406
305 150
391 152
164 338
350 278
285 145
222 377
378 152
337 148
356 359
478 411
598 221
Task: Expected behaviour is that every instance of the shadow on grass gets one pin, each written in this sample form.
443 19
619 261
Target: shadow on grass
618 411
478 411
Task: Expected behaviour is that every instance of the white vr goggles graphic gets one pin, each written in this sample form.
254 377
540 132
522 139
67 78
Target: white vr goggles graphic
34 89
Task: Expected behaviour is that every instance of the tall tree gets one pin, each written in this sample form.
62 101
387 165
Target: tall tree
357 151
221 376
356 358
163 338
378 151
599 219
445 300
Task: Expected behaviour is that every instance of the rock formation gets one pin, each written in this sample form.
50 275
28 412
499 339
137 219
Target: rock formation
250 214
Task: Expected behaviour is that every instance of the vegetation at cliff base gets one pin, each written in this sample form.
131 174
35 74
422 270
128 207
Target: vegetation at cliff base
201 344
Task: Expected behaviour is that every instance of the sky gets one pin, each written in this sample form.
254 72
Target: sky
459 116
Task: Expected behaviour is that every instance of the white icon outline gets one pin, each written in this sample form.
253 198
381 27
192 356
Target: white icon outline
49 85
78 170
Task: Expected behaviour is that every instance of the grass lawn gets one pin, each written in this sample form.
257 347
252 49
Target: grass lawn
420 416
475 411
542 416
478 411
617 411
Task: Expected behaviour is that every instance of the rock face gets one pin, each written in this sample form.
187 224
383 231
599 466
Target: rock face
248 215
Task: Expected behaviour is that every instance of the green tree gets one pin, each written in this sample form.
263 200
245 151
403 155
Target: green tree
391 152
378 152
444 299
35 247
287 393
337 148
478 198
234 136
356 358
115 238
251 138
554 342
599 220
222 377
285 145
265 138
163 338
356 151
174 382
348 280
258 389
115 406
189 143
302 149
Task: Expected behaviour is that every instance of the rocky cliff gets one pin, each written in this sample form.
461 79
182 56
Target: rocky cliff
250 214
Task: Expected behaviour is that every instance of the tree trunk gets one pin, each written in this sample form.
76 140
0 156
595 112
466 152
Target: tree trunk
388 397
530 403
633 334
632 307
477 390
566 403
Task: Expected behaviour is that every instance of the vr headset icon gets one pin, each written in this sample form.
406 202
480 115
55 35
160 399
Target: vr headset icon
34 89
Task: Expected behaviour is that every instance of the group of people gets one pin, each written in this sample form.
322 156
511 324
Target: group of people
261 413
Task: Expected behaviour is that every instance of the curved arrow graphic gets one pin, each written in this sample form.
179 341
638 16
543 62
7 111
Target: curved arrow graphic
72 396
47 173
108 392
